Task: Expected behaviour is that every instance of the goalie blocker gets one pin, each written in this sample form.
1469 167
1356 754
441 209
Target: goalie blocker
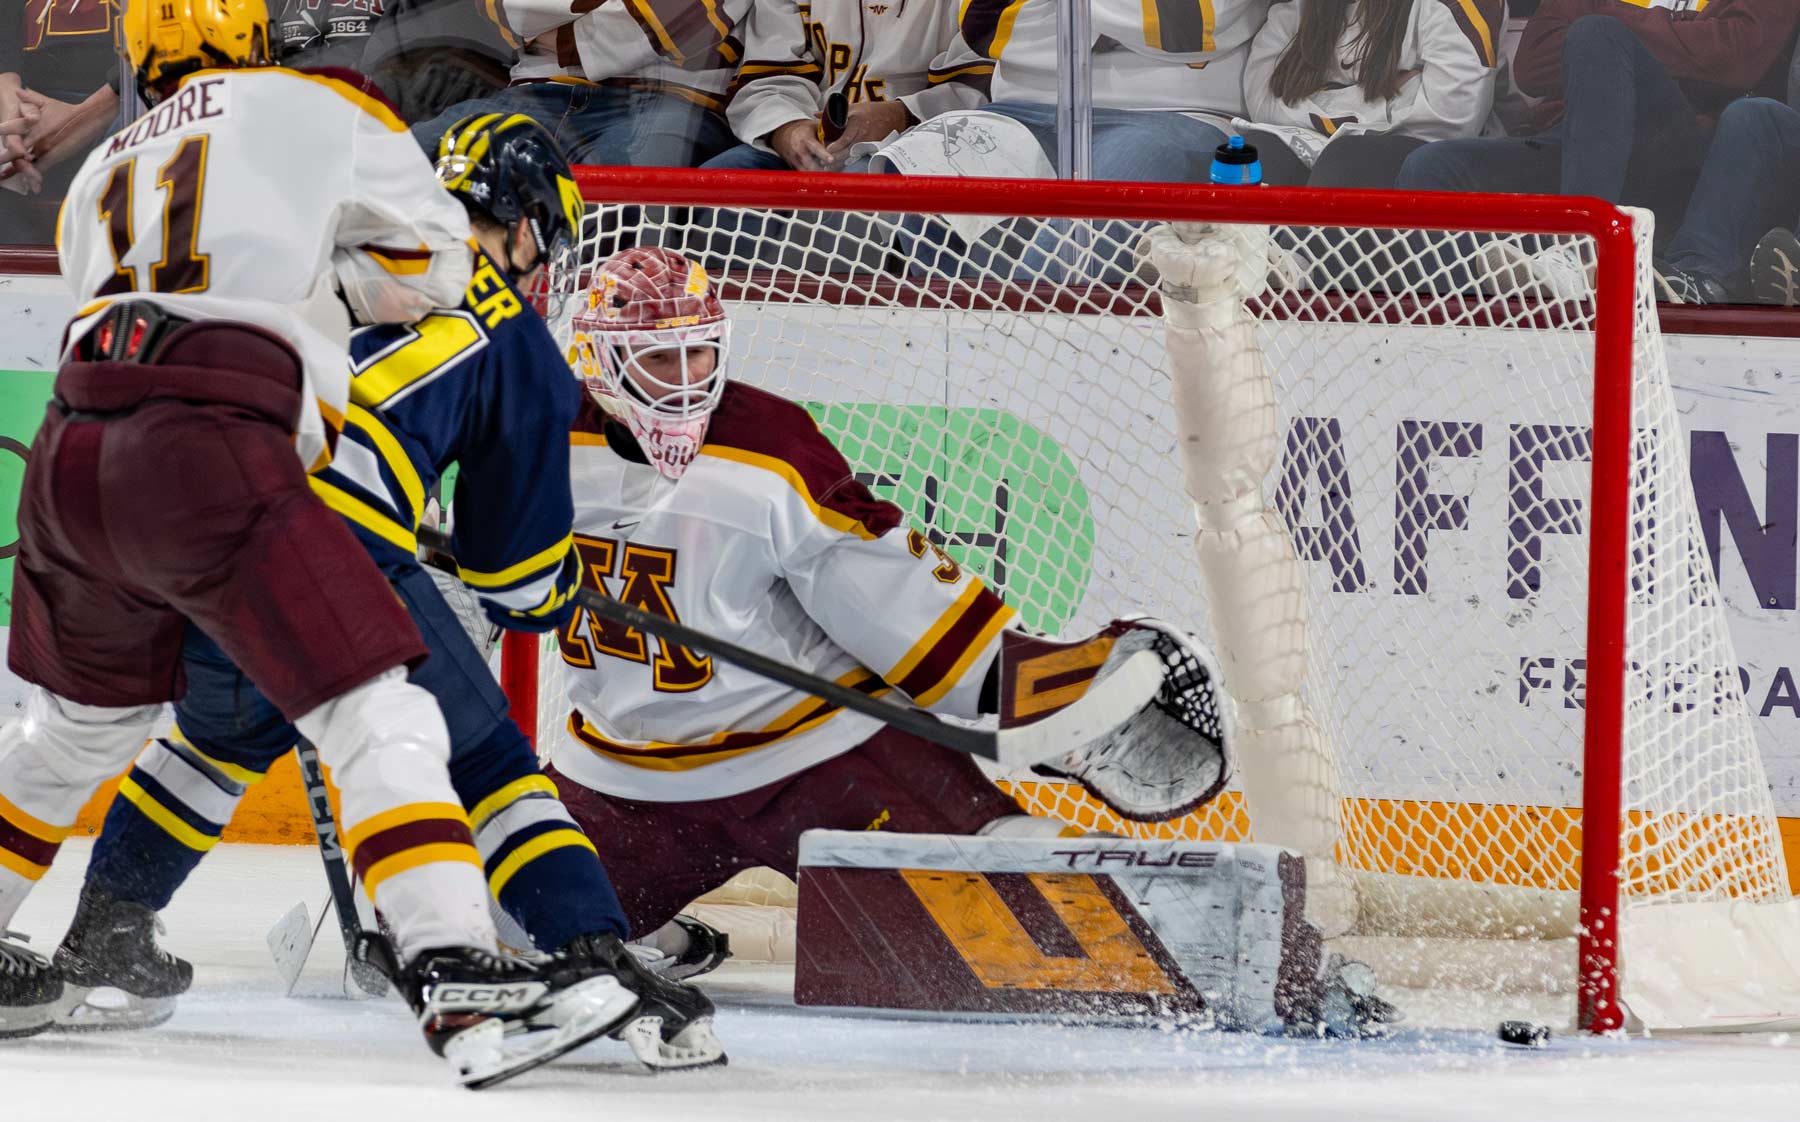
1073 926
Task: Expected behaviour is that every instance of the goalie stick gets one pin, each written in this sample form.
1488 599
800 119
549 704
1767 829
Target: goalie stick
1128 691
289 941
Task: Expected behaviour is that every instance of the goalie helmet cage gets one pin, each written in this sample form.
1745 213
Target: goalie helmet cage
1434 515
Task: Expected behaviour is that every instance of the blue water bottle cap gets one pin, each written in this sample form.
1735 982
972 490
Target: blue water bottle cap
1236 163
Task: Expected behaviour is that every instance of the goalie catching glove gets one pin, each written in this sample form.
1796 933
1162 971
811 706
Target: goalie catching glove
1134 714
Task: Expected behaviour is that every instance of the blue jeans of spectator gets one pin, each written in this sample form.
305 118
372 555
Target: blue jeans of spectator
1131 145
1628 134
738 238
1749 184
1134 145
597 124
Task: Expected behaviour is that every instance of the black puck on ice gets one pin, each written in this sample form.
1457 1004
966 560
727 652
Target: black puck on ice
1524 1033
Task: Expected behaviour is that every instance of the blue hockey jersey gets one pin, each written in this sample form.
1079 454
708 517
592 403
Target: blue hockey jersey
482 386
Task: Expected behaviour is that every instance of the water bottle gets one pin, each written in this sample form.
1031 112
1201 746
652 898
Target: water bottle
1236 164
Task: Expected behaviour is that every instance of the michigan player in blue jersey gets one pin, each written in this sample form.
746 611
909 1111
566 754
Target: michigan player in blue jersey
482 386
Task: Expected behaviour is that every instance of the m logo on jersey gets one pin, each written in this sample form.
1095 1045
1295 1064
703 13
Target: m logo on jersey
649 579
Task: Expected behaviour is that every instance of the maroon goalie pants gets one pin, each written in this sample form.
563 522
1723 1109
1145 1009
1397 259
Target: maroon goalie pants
662 855
162 493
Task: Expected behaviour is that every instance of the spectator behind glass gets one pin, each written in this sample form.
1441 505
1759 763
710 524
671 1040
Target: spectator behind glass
897 64
1632 91
1737 241
58 68
1340 92
425 55
1168 77
640 83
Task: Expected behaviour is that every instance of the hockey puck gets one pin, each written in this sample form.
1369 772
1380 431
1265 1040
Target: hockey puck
1524 1033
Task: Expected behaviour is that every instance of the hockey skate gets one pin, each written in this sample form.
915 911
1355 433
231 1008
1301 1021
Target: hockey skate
706 949
29 989
672 1026
494 1016
111 947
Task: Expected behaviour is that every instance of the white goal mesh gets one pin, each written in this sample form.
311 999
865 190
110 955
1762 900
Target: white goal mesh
1007 382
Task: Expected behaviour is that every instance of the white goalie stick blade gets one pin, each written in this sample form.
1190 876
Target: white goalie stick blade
290 942
1152 733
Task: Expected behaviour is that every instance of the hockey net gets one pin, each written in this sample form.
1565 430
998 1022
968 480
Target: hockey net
1437 704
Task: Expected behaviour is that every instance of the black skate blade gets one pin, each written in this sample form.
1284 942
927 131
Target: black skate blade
594 1007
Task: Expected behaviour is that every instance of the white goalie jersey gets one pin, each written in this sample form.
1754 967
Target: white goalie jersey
769 542
213 208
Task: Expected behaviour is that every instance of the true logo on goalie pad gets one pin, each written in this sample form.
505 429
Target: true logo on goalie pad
990 925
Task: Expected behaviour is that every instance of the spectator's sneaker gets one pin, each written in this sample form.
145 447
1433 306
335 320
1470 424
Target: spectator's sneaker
1775 269
1681 286
1562 271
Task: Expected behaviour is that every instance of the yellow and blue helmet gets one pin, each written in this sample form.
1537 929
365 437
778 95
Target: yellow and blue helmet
165 39
508 167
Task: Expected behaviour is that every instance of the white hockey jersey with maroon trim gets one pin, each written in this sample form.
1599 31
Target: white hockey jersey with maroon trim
797 51
769 542
228 201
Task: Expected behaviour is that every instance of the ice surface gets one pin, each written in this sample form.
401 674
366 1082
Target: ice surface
238 1051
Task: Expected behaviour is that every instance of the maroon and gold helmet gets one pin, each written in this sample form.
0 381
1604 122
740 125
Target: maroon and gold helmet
641 301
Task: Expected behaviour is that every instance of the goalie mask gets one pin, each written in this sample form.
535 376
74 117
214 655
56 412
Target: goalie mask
651 343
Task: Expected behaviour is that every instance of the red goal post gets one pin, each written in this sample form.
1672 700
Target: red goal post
1609 334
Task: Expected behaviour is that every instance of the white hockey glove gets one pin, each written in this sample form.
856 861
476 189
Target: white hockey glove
1169 753
378 296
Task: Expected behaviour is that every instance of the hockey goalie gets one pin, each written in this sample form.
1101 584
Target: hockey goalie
709 501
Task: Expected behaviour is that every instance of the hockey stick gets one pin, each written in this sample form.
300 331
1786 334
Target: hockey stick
337 874
1099 711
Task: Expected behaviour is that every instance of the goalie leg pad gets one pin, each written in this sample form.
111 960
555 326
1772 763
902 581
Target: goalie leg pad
1190 930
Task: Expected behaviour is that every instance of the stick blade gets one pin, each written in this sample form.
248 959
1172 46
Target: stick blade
290 941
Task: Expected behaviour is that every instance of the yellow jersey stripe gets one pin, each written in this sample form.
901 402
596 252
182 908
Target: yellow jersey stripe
400 266
542 559
1003 28
842 523
230 771
36 827
365 515
398 461
400 816
166 820
409 859
1481 27
374 107
18 866
492 805
961 666
647 17
532 850
934 633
